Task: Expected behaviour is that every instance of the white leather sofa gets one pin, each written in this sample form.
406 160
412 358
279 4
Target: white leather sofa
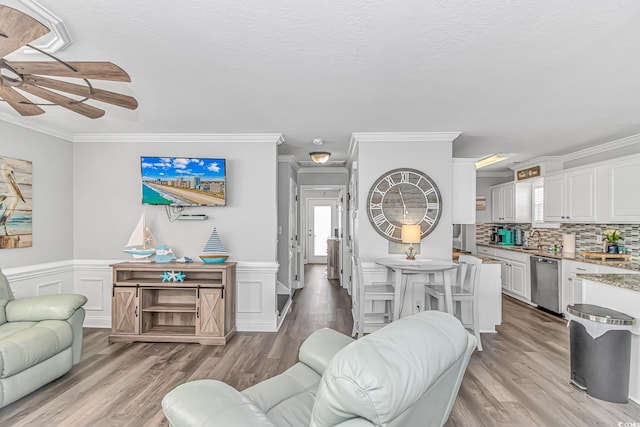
40 340
405 374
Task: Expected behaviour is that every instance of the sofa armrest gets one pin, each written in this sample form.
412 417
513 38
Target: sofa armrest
45 307
317 350
211 403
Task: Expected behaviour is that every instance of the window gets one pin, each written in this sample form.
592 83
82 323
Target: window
537 206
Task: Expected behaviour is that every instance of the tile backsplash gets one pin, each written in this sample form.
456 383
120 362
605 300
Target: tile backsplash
588 236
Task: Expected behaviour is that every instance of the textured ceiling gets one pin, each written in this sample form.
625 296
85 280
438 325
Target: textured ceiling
524 77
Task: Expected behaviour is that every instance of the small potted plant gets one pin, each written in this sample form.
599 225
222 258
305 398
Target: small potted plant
610 240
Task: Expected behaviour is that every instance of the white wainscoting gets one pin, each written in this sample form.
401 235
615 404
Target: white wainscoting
256 296
256 289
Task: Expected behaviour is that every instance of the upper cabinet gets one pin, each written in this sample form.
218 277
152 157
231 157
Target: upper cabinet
511 202
620 198
570 196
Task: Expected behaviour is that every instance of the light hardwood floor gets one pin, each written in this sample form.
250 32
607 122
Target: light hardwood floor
520 378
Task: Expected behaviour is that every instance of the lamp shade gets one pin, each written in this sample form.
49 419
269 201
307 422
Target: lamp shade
410 233
320 157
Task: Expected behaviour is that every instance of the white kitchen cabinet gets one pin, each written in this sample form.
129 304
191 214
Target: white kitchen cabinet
571 284
464 191
570 196
622 179
511 202
514 273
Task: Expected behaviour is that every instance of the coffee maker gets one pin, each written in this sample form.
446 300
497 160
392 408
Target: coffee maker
505 236
495 237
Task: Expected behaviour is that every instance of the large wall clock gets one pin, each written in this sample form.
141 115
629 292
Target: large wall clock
403 196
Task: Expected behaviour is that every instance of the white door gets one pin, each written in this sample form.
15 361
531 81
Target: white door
321 221
294 246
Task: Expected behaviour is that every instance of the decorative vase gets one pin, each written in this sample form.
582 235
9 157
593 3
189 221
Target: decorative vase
612 248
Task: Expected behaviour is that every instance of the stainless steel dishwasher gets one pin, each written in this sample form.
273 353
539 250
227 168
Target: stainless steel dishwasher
545 283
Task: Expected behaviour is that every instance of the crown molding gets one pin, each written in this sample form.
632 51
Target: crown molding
23 123
273 138
602 148
404 136
557 162
291 160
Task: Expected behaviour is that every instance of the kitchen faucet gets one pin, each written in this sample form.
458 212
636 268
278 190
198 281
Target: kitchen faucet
536 233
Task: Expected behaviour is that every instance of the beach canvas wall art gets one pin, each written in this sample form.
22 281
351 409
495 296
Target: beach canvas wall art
16 178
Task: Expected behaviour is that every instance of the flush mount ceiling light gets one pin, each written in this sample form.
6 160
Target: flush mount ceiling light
320 157
489 160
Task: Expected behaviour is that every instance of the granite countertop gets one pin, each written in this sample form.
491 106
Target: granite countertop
625 281
567 256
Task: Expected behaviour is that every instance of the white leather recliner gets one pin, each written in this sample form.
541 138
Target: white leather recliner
405 374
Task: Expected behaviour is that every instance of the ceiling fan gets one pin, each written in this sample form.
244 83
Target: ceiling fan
17 29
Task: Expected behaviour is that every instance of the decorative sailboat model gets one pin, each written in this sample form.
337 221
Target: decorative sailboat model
213 251
141 244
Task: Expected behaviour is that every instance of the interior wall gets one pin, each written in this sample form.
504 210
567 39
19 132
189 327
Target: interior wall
52 195
108 199
432 158
325 176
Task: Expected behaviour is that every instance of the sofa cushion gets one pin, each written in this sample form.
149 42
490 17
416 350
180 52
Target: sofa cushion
25 344
287 399
372 379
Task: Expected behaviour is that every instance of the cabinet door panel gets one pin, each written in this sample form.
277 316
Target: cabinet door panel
125 311
210 316
518 279
504 273
509 203
554 198
580 190
623 179
496 204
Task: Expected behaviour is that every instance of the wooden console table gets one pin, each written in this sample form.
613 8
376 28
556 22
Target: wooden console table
201 309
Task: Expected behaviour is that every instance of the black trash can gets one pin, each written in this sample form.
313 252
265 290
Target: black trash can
600 366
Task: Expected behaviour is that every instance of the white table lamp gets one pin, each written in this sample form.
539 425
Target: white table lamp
410 234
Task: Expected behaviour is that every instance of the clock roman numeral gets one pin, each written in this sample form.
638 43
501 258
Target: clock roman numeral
390 229
429 191
377 190
429 220
404 177
375 205
390 181
379 219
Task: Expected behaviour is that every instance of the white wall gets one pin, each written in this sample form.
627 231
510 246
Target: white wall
52 195
107 197
432 158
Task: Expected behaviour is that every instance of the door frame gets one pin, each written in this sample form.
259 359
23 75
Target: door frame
310 191
311 203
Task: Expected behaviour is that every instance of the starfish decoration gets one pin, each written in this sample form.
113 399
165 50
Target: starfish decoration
180 277
166 277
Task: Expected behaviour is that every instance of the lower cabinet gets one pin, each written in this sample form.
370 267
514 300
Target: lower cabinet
514 271
200 308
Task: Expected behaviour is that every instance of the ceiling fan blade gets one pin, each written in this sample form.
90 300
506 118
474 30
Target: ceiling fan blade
63 101
19 103
17 29
98 94
88 70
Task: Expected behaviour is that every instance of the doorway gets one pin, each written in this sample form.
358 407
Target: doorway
322 215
